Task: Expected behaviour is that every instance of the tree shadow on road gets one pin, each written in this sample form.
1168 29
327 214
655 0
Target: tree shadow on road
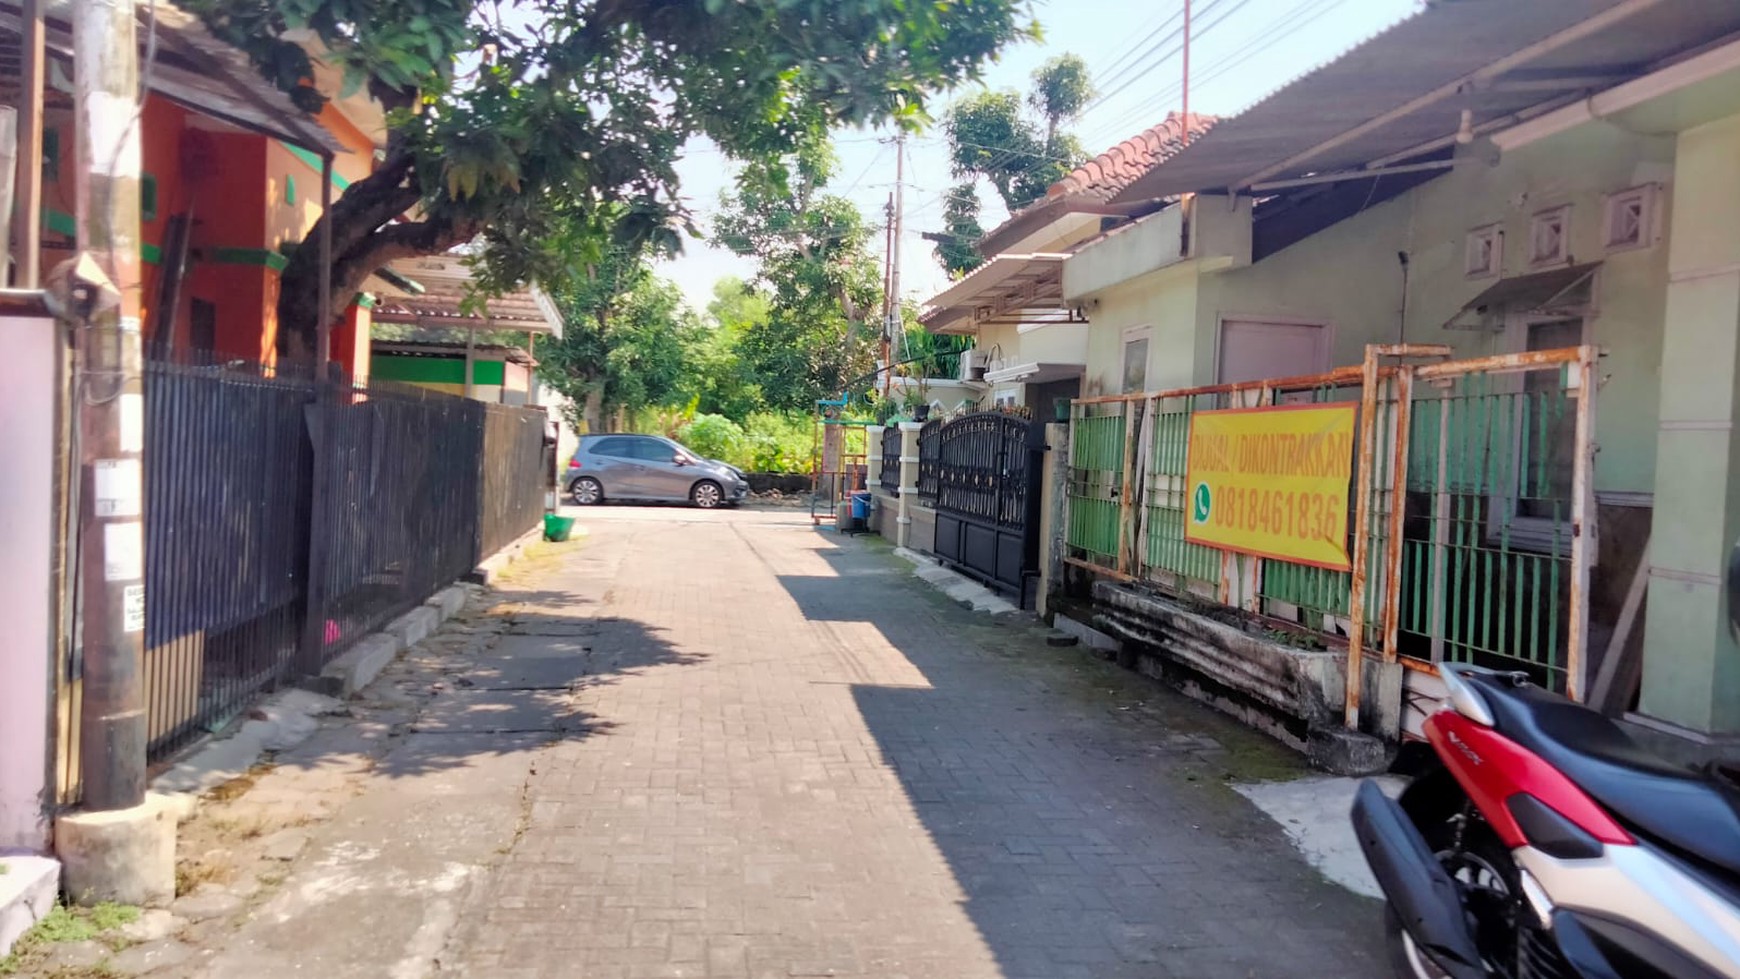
509 675
1080 807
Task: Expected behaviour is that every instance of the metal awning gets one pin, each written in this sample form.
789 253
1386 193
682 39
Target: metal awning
199 71
1034 373
443 299
1566 290
1404 92
1007 289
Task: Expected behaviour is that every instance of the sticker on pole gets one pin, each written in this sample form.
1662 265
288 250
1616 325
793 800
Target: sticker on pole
1272 482
119 491
133 608
124 551
132 422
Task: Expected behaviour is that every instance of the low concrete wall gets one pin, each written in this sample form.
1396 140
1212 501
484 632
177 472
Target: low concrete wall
1290 693
885 514
923 537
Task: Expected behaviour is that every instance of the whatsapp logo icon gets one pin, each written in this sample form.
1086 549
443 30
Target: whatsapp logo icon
1201 503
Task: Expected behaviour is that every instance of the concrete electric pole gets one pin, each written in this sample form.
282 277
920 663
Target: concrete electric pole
120 848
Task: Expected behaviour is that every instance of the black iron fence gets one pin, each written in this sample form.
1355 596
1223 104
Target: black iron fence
929 460
981 467
890 473
258 485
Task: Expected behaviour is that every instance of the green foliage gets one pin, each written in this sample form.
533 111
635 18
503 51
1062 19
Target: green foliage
780 443
628 343
815 270
1062 88
64 924
713 436
544 122
722 380
991 137
957 245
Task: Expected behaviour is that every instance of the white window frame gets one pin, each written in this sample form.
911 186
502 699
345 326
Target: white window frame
1529 533
1537 224
1648 199
1132 335
1492 236
1006 399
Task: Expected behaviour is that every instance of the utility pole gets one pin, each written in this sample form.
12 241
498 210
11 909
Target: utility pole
885 364
104 297
892 325
1184 136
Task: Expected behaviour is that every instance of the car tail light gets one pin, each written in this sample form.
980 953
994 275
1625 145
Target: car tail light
573 463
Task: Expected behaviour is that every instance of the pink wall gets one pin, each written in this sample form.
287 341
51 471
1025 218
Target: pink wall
26 498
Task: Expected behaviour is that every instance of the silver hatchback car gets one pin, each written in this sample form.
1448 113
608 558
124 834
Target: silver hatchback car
649 468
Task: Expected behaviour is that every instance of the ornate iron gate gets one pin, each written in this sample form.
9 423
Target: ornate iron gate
983 481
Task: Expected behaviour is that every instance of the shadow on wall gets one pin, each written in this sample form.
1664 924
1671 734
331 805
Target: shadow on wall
1082 809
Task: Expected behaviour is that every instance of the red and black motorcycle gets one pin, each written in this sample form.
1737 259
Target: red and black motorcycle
1544 843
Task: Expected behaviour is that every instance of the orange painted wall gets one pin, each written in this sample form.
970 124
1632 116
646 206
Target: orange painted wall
350 342
240 206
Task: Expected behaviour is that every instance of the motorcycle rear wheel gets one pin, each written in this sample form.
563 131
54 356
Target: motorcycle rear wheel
1483 868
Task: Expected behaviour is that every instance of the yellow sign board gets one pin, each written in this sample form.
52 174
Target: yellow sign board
1272 482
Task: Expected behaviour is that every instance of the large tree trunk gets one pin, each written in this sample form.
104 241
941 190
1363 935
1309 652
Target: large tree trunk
592 409
363 239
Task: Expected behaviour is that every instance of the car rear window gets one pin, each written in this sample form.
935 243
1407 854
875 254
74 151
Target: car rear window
620 448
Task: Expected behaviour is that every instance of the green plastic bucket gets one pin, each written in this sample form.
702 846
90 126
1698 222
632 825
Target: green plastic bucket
557 528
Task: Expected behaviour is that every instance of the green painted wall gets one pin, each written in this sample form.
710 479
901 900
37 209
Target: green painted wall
1348 277
434 370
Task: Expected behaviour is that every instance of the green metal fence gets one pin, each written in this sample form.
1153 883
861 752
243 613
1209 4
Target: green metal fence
1096 474
1486 565
1478 473
1166 555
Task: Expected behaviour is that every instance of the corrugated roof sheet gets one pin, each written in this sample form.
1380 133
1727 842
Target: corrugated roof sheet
1423 60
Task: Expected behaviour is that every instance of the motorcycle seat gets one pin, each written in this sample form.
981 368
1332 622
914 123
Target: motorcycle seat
1675 807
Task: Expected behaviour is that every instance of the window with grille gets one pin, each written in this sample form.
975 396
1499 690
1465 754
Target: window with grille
1483 255
1550 237
1630 220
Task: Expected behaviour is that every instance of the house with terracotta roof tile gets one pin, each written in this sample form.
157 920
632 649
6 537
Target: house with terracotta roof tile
1538 201
1030 347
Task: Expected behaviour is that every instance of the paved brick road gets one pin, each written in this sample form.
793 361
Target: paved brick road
790 759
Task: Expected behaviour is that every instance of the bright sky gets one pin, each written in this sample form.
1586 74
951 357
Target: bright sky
1241 50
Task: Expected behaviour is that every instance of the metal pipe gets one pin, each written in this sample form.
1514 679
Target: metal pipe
27 199
1342 176
323 331
1403 385
1361 536
1127 492
111 406
1584 541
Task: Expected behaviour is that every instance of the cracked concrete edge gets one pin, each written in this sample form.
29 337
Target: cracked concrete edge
28 889
491 567
955 585
288 718
283 721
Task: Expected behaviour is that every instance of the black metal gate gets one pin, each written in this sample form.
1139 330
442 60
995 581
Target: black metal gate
981 474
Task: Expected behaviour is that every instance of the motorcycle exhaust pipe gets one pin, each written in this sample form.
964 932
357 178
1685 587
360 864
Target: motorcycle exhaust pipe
1418 888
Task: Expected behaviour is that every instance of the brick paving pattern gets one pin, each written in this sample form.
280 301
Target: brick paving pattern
789 759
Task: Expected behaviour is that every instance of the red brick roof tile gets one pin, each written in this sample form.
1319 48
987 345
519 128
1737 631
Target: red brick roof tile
1105 175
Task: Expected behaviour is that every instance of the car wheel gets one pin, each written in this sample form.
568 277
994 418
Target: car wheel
586 491
707 494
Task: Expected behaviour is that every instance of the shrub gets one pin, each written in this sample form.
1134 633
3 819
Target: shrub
713 436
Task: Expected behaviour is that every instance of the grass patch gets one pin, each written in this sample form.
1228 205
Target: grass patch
189 874
237 787
67 924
